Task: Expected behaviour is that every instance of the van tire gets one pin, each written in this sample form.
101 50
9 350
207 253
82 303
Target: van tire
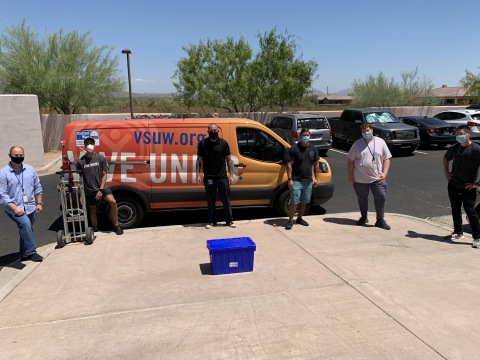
130 212
284 201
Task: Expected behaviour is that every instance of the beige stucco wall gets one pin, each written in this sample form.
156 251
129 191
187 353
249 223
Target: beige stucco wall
20 125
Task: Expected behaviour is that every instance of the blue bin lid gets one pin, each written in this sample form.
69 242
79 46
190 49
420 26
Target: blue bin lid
231 243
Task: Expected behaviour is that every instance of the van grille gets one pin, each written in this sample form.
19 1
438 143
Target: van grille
405 134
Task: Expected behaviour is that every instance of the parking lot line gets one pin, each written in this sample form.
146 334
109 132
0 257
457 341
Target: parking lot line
419 152
339 151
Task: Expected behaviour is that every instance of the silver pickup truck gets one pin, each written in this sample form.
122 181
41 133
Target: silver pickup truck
288 126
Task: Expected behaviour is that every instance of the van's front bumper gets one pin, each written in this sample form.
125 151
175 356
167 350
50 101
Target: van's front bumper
322 193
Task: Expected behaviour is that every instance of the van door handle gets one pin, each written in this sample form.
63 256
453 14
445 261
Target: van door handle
241 166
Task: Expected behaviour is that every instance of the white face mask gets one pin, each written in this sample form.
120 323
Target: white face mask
90 148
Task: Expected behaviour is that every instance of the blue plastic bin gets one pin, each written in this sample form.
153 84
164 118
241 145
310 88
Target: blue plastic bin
231 255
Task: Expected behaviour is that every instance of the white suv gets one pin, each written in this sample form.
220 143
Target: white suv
471 118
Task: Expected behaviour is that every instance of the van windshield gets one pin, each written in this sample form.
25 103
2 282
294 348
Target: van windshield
381 117
312 123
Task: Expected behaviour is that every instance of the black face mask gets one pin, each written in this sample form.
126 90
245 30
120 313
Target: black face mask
213 135
17 160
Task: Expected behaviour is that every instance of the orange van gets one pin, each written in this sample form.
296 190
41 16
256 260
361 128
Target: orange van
152 164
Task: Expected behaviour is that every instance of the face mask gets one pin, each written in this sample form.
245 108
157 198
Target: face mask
213 135
461 138
90 148
367 134
17 160
305 139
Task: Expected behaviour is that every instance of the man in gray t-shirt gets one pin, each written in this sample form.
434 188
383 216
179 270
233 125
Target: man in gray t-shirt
94 167
368 165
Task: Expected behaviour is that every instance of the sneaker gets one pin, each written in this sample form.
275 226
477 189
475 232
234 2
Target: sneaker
362 221
231 224
454 236
476 243
382 224
302 222
209 226
289 225
118 230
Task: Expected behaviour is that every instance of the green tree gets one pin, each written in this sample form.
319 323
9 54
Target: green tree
65 70
226 74
471 83
380 91
375 91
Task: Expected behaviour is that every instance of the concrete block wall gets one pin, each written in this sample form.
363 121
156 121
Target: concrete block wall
20 125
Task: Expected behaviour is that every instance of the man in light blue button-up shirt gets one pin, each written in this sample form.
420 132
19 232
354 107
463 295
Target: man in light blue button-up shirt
21 194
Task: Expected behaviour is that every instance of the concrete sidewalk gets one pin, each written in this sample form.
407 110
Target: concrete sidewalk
332 290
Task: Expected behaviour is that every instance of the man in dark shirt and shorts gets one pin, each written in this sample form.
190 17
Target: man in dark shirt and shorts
213 158
301 157
463 183
94 167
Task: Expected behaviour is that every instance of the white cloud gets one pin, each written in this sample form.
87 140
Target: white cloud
144 81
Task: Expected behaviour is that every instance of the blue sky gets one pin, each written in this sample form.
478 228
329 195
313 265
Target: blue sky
349 39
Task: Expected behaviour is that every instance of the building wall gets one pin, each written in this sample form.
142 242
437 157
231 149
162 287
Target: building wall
20 125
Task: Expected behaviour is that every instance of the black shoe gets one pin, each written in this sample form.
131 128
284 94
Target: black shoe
362 221
34 257
382 224
302 222
289 225
118 230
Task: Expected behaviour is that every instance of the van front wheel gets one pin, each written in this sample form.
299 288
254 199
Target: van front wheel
130 213
283 203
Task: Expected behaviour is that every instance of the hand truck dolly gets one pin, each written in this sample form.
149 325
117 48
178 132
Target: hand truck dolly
74 209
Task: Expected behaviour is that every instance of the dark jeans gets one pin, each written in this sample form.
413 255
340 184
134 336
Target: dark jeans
28 245
379 192
220 187
467 198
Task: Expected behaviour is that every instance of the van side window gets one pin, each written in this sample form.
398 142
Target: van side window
258 145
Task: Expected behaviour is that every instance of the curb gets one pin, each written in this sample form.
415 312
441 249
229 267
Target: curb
13 274
49 166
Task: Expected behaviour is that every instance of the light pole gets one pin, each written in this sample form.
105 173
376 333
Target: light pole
128 52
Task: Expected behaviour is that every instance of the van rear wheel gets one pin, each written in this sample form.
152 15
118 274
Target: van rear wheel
130 213
283 203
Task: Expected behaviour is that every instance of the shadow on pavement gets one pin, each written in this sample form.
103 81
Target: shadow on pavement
206 269
414 235
341 221
10 260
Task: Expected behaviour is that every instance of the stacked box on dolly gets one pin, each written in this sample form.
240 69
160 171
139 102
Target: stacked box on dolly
231 255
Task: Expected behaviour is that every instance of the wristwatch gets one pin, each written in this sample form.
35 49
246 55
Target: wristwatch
40 203
290 179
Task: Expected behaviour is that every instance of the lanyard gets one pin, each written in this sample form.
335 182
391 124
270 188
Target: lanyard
20 182
372 153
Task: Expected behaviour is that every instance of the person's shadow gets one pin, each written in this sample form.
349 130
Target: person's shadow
414 235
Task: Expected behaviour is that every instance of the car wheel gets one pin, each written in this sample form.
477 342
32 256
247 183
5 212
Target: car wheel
283 203
130 213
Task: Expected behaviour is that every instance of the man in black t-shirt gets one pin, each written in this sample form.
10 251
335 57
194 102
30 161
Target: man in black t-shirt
301 157
94 167
462 183
213 158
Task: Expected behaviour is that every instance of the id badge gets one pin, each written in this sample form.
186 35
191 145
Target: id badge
25 198
375 167
210 182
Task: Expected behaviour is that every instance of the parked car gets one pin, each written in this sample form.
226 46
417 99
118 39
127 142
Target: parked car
288 126
432 130
471 118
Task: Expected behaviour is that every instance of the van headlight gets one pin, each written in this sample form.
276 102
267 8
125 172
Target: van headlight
324 167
